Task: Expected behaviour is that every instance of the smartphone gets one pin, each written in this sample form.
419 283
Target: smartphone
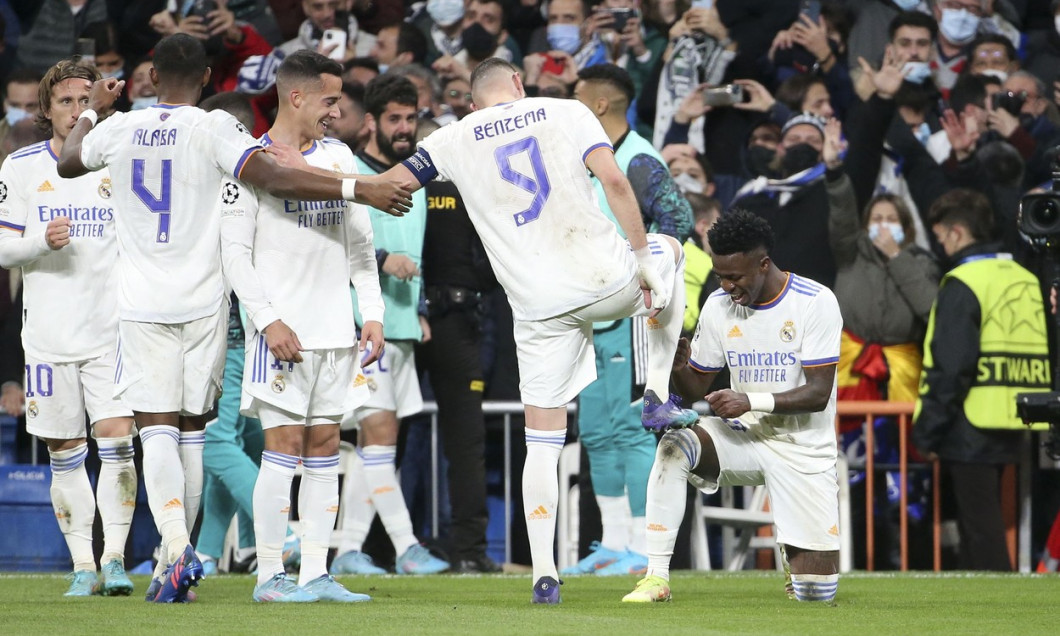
621 17
334 36
726 95
201 8
553 65
811 9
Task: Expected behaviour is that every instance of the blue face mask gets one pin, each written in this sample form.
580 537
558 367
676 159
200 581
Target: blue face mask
907 5
565 37
958 25
918 72
897 233
445 12
922 134
141 103
15 115
118 74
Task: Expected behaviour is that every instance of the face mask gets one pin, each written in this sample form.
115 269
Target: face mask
907 5
798 158
759 158
687 183
958 25
140 103
565 37
897 233
383 68
922 133
15 115
479 42
918 72
118 74
993 72
1056 23
445 12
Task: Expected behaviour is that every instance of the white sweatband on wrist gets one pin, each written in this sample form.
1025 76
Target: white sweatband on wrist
761 402
348 188
90 115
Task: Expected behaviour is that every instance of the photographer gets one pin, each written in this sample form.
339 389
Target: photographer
986 341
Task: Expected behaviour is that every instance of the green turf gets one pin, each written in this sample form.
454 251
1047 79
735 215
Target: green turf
704 603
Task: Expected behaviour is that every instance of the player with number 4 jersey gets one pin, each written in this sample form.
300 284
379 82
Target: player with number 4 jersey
520 165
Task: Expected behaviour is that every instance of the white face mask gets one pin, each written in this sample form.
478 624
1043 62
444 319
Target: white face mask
140 103
687 183
918 72
993 72
897 233
958 25
922 134
445 12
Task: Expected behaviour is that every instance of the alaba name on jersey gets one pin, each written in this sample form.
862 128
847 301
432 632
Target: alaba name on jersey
520 168
767 347
166 163
294 260
71 304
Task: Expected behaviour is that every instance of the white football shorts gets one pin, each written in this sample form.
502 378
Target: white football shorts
59 394
172 368
326 384
805 505
393 382
556 357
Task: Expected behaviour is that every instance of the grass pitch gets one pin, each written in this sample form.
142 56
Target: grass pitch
704 603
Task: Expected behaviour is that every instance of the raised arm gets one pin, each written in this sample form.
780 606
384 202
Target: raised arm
103 94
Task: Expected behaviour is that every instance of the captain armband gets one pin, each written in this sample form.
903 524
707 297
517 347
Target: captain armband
421 166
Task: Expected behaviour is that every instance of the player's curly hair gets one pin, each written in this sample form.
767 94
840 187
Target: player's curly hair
739 231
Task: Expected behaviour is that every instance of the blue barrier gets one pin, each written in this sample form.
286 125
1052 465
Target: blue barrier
8 436
30 539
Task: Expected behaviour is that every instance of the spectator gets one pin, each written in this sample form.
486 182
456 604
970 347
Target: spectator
55 29
699 284
141 91
108 59
992 55
637 47
912 37
988 318
349 127
322 15
1043 49
806 94
20 101
442 22
1037 118
360 70
573 29
399 44
958 22
456 95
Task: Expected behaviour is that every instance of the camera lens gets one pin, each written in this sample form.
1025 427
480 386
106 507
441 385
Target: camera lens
1047 213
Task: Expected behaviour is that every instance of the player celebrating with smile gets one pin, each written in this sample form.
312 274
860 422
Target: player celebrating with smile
779 335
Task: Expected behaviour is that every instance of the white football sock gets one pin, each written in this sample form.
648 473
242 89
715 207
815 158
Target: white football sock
541 496
663 332
815 587
318 504
678 453
638 542
116 494
380 475
164 482
615 520
191 445
357 508
272 509
74 504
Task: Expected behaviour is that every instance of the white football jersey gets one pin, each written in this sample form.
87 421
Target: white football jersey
767 347
520 168
166 163
294 260
70 301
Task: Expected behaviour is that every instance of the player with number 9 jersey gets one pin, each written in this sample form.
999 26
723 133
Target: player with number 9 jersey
526 159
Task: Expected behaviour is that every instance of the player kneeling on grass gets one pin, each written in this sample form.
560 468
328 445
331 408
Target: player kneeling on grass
291 264
70 331
779 335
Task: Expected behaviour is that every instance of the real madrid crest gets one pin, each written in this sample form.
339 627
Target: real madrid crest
372 386
787 332
104 188
31 409
278 385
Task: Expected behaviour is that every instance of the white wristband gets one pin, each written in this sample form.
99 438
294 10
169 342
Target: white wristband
761 402
348 188
90 115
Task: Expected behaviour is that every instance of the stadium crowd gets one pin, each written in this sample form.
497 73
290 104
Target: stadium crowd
855 128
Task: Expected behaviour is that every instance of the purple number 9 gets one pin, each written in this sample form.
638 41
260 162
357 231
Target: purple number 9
537 185
157 204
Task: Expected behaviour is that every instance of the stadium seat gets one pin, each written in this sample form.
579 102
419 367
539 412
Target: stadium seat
740 536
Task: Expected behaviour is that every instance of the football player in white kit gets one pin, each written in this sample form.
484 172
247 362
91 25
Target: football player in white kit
166 163
291 263
778 333
520 164
61 233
